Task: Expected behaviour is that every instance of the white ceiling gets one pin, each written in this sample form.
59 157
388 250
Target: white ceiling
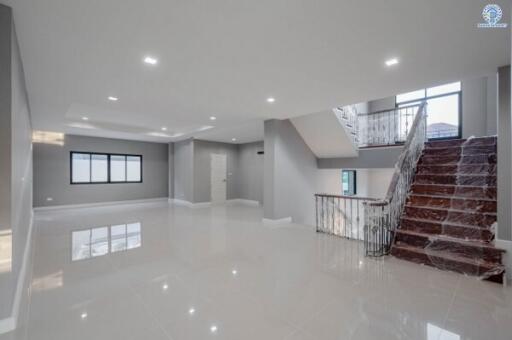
224 58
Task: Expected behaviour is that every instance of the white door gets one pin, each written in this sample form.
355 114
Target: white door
218 177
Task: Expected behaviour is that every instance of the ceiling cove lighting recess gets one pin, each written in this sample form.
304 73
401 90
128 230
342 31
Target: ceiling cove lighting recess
48 137
271 100
392 62
150 60
113 99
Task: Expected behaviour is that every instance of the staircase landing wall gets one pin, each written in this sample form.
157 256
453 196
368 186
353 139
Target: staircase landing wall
376 158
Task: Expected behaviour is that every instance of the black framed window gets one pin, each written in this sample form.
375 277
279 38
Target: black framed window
96 168
444 109
349 182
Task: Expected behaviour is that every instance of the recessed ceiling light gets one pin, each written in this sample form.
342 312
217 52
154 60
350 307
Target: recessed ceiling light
213 118
85 118
113 99
271 99
83 316
165 286
392 62
213 329
233 139
164 128
191 311
150 60
234 272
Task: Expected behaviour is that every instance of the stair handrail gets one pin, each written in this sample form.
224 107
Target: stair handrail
349 118
382 216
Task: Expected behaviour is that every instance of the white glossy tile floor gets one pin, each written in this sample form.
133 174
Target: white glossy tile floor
158 271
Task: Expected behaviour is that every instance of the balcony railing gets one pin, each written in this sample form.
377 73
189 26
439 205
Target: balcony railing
380 128
340 215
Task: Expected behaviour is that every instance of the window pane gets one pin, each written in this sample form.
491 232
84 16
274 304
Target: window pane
118 238
118 168
414 95
81 168
443 89
99 168
134 238
80 244
443 117
349 182
99 241
133 168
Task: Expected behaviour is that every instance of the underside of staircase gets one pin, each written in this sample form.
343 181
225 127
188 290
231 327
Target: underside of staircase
448 220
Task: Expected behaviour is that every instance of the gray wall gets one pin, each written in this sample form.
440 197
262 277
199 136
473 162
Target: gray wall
5 117
250 171
504 155
478 106
291 174
382 104
15 164
52 172
368 158
184 170
202 169
190 170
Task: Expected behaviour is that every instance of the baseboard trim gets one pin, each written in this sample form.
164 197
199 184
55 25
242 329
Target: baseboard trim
244 201
506 245
185 203
100 204
9 324
189 204
278 221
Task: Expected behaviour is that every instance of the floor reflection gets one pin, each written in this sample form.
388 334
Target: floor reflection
434 333
101 241
5 251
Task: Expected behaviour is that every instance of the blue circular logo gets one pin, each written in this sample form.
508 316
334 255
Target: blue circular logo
492 14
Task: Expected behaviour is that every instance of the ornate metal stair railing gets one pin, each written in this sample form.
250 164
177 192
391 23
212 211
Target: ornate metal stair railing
340 215
349 117
383 128
381 217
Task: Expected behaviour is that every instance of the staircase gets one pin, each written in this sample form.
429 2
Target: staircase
451 208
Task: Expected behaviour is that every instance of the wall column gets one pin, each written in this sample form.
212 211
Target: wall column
504 155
